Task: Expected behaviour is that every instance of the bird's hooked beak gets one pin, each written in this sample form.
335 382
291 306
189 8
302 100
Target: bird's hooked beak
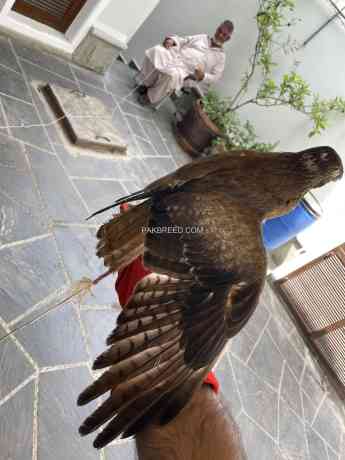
341 172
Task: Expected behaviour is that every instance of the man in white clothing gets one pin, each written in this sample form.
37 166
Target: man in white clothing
180 61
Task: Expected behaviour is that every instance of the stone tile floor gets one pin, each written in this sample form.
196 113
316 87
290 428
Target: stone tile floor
273 388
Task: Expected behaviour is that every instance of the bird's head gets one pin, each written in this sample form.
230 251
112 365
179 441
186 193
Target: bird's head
321 165
298 173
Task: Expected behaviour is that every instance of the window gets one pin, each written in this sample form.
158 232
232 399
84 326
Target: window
58 14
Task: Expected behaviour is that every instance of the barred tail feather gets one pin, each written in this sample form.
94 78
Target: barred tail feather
122 239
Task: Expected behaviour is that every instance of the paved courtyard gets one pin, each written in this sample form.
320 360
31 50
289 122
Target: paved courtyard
276 393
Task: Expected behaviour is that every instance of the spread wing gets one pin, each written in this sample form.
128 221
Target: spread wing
210 274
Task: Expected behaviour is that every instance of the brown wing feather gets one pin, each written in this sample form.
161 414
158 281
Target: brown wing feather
122 239
174 327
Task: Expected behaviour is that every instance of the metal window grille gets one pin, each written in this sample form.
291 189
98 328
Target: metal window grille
315 294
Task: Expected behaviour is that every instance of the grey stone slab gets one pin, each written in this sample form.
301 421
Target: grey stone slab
160 166
59 416
34 74
2 332
136 126
119 87
228 386
23 215
146 148
259 401
121 124
288 352
60 197
25 124
342 448
18 222
16 425
98 325
131 171
266 361
165 126
241 345
317 448
127 170
175 150
28 274
99 194
155 137
16 178
131 185
121 451
313 384
131 108
120 71
164 116
48 117
290 391
309 408
39 77
55 339
77 247
99 93
257 444
45 60
332 455
138 170
277 308
14 367
292 439
298 342
89 76
8 58
87 121
13 84
257 322
3 123
12 154
89 166
329 425
167 109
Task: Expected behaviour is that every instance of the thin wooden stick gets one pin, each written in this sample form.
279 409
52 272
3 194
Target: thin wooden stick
80 289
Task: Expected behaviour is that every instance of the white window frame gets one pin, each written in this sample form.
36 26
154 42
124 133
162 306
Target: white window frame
64 42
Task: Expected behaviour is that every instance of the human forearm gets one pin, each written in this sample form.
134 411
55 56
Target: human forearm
202 431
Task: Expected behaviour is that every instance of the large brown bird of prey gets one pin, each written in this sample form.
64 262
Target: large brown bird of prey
205 248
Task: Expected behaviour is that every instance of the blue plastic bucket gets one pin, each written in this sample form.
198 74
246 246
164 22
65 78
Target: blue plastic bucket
280 230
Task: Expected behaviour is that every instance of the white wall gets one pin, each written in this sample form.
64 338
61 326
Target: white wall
127 16
322 65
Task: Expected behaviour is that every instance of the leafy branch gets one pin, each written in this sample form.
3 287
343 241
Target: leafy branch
292 91
270 20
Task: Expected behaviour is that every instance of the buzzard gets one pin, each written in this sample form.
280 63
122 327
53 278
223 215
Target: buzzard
199 231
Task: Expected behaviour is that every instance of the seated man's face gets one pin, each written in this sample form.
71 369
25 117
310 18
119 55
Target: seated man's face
223 34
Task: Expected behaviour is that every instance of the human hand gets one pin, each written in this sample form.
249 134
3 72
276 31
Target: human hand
199 74
203 430
168 43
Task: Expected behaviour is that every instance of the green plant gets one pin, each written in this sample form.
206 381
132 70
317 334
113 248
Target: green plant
272 18
235 134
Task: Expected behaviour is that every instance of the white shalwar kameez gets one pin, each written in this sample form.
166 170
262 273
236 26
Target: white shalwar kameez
165 69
